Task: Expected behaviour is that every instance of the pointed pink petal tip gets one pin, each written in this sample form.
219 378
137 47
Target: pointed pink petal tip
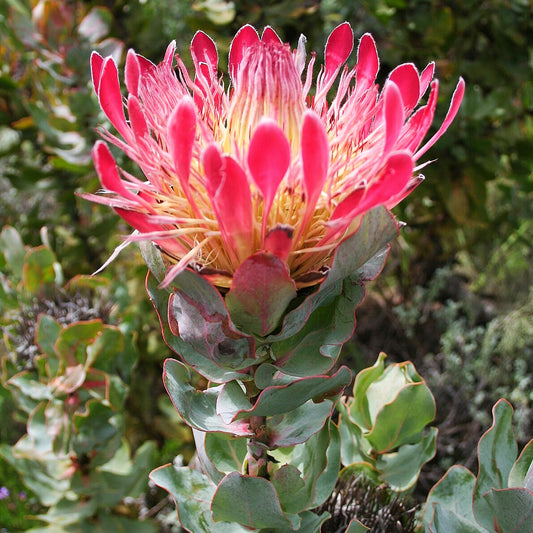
243 39
169 53
230 196
338 48
394 114
132 72
406 77
315 156
137 120
367 62
269 157
181 133
455 104
107 170
97 62
110 97
269 36
204 50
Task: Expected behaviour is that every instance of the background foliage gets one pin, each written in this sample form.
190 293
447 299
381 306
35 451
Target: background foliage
457 297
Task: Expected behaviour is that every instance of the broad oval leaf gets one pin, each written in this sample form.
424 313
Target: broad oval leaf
227 453
398 422
451 499
316 347
497 452
358 258
401 469
521 473
318 460
296 426
197 408
512 509
192 492
200 361
278 399
258 503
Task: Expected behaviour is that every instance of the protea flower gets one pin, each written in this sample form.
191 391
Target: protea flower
272 163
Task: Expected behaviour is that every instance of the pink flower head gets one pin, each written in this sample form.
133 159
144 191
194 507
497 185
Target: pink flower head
268 164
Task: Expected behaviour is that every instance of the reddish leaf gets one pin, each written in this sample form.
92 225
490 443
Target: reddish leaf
260 293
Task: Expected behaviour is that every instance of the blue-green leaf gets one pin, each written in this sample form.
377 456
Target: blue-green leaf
193 493
257 505
197 408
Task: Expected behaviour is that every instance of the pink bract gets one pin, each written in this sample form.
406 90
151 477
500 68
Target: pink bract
265 163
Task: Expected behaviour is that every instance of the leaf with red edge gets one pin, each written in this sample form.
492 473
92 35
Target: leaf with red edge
316 347
258 507
197 408
521 475
296 426
359 258
356 527
224 362
46 334
260 293
512 509
73 340
38 272
208 331
310 471
232 403
497 453
192 492
448 507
